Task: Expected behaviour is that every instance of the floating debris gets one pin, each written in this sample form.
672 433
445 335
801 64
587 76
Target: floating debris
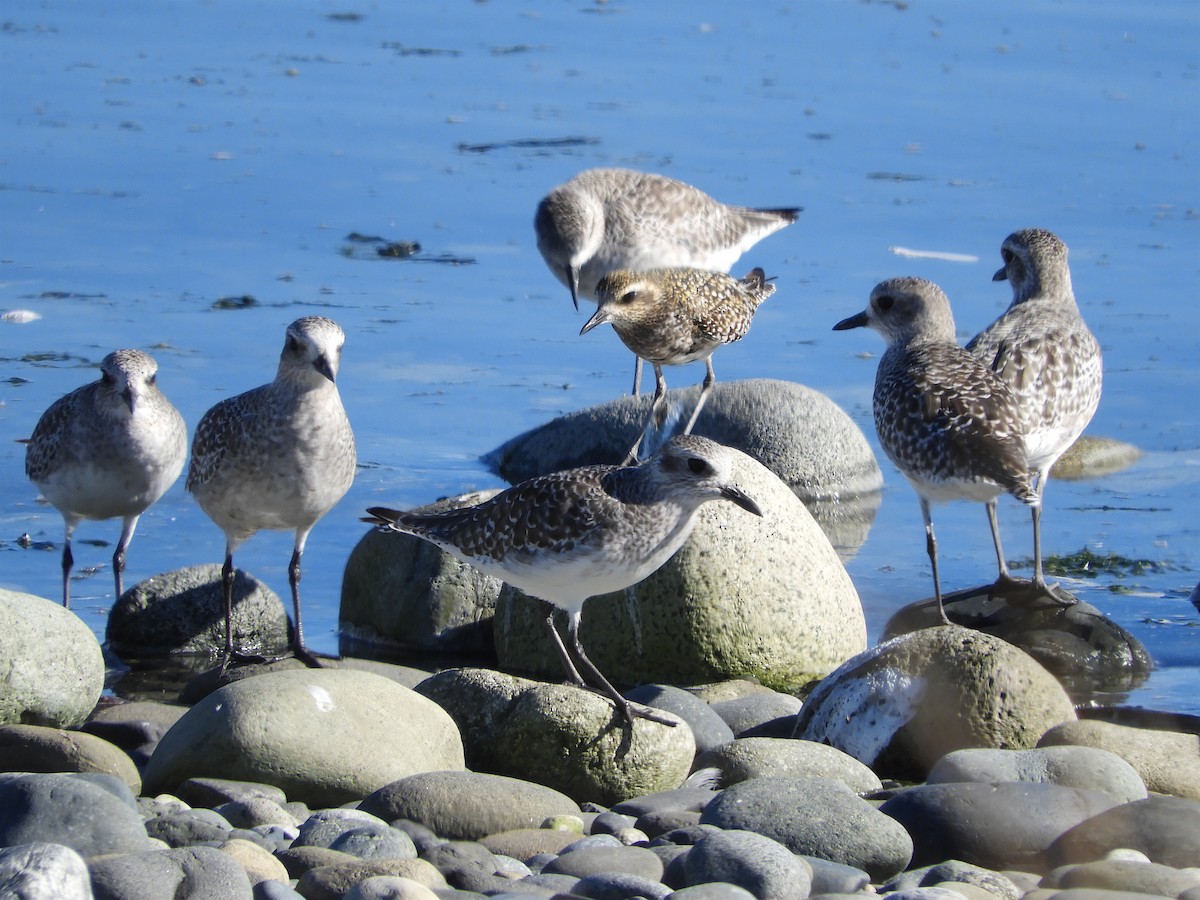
894 176
945 255
362 246
245 301
20 316
399 249
530 144
1089 564
419 51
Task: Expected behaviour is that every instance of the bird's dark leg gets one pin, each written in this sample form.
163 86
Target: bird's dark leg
628 710
227 592
658 407
568 663
931 549
127 528
637 375
1004 578
68 560
705 387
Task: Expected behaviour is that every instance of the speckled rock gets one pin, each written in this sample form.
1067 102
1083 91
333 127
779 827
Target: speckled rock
1082 767
745 595
324 736
400 591
188 871
468 805
904 704
754 757
53 669
42 870
559 735
35 748
1167 761
184 612
1091 457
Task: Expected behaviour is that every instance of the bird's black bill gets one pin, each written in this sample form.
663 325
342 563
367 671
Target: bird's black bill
1002 275
858 321
321 364
736 496
599 317
381 516
573 281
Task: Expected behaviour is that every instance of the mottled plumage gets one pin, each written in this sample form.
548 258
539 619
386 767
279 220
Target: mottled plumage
278 457
1042 349
110 448
943 418
669 317
571 535
607 219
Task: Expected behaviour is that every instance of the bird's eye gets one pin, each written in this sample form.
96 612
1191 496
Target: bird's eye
698 466
152 379
1007 255
885 302
627 297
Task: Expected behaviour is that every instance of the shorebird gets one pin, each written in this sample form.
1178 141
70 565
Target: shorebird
1042 349
669 317
568 536
944 419
110 448
278 457
602 220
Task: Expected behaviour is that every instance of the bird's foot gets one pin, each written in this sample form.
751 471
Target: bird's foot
1057 593
633 711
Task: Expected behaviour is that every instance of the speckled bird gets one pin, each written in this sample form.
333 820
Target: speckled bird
603 220
943 418
109 449
568 536
669 317
1042 349
278 457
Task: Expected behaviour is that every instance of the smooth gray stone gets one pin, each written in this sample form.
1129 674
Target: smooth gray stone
713 891
1082 767
451 855
707 726
1166 829
619 886
754 757
43 870
1167 761
815 817
829 877
1124 875
599 860
199 873
995 883
684 798
325 826
89 814
367 842
750 860
187 827
212 792
749 715
254 812
275 890
1009 825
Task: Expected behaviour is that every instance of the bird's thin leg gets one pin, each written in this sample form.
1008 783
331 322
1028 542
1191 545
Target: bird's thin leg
128 526
568 663
637 375
1039 575
705 387
227 592
628 710
68 560
657 414
931 549
1004 578
300 651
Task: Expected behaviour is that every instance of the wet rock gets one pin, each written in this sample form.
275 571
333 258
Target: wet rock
906 703
997 826
755 757
559 735
1167 761
35 748
708 728
1082 767
1165 829
745 595
762 866
323 736
53 666
468 805
1085 649
91 814
43 870
190 871
402 592
798 433
184 612
815 817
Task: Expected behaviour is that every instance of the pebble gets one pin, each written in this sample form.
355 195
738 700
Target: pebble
749 860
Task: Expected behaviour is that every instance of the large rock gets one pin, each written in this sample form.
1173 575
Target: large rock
35 748
91 814
1081 767
1167 761
561 736
184 612
906 703
750 860
53 670
1165 829
202 872
798 433
325 736
754 757
745 595
41 870
401 592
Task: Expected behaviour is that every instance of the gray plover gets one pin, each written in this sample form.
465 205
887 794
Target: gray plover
110 448
669 317
944 419
602 220
278 457
568 536
1042 349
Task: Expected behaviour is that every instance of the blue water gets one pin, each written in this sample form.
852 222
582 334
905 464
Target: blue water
157 157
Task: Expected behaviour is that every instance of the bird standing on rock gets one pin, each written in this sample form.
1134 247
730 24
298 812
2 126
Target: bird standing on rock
568 536
277 457
110 448
946 421
669 317
1042 349
602 220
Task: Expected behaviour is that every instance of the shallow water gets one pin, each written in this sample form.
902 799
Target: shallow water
158 159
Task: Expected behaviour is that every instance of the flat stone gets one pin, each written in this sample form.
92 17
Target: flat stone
188 871
1165 829
1083 767
36 748
754 757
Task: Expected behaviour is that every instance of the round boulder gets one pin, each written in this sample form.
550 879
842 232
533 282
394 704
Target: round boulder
78 811
745 595
325 736
1082 767
798 433
184 612
906 703
53 666
182 872
40 869
35 748
560 735
750 860
754 757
